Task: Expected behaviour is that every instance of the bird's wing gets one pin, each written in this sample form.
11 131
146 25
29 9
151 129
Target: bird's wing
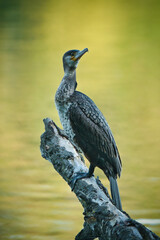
90 127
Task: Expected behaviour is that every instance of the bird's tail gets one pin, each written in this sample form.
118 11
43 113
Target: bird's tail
115 193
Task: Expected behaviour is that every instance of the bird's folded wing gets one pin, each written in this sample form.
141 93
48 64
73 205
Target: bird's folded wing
90 127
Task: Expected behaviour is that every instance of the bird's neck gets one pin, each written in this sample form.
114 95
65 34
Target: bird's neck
66 87
70 74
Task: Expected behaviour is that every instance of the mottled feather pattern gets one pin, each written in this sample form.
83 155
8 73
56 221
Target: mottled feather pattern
92 131
65 90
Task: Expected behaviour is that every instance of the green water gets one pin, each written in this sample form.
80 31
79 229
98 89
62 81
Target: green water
121 73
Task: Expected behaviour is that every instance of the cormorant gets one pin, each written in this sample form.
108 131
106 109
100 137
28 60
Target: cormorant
86 126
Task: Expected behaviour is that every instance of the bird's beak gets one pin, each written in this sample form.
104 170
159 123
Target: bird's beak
80 54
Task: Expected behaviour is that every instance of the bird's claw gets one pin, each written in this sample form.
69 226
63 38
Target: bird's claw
72 183
77 177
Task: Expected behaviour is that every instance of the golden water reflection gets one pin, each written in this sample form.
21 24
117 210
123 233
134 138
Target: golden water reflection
120 73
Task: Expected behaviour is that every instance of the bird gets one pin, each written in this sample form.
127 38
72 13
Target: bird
86 127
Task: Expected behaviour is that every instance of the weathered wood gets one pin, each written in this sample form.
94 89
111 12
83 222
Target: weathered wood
102 219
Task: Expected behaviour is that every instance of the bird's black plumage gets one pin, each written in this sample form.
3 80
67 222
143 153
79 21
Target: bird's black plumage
86 126
93 135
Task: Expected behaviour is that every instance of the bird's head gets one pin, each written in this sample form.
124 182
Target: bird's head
71 59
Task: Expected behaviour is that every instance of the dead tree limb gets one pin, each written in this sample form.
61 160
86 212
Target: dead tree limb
102 219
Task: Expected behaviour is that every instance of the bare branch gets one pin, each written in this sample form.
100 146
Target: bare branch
101 218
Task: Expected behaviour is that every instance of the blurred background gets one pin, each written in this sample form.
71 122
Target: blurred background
121 73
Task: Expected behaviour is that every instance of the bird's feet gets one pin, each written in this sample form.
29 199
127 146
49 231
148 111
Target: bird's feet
78 176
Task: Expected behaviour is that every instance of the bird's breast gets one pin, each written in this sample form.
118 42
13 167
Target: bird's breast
63 110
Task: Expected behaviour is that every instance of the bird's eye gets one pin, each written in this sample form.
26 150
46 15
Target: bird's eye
72 56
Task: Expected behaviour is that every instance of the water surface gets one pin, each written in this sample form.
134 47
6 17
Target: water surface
120 73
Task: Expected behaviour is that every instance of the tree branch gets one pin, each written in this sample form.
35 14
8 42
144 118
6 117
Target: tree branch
102 219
